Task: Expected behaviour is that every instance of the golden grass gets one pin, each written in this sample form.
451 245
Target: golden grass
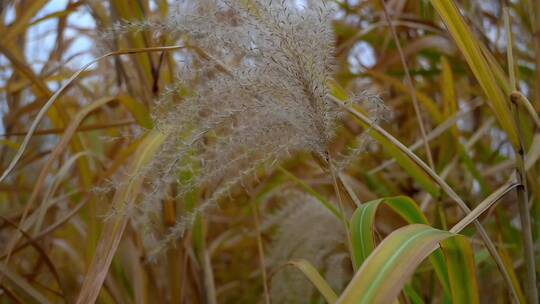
459 148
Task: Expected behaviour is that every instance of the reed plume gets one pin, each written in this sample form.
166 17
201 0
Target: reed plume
252 89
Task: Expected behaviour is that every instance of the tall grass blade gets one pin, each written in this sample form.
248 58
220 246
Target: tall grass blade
123 199
363 226
471 50
389 267
315 277
461 270
445 187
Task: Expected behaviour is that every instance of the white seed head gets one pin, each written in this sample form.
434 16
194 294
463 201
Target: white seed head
271 100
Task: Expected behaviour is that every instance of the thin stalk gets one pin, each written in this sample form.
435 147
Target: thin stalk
521 175
410 84
174 254
341 207
204 259
537 52
264 276
487 203
85 128
444 186
510 49
524 214
209 284
349 189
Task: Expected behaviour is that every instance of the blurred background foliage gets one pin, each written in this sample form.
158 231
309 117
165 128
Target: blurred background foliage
43 42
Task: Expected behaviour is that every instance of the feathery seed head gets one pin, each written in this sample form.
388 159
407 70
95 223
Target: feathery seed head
252 89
